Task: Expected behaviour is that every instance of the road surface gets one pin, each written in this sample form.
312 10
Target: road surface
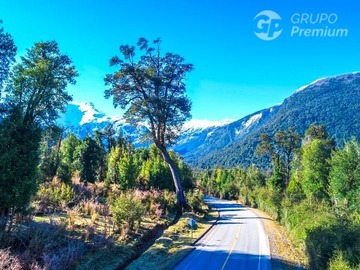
236 241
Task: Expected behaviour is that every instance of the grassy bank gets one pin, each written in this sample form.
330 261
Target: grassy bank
174 244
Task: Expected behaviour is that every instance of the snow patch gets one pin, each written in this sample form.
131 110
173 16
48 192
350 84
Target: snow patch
210 133
252 120
316 82
204 124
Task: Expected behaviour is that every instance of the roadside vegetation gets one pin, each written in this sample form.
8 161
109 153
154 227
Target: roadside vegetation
313 189
99 220
94 202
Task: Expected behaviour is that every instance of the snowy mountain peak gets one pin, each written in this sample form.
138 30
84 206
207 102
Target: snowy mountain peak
324 80
90 113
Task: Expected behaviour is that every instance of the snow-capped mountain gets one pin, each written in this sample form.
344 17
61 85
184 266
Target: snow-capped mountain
82 118
334 102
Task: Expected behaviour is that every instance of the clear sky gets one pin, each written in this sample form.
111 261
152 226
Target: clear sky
236 72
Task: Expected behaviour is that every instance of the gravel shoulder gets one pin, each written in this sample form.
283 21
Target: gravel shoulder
284 255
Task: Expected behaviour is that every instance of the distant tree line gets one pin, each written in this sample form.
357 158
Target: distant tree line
109 159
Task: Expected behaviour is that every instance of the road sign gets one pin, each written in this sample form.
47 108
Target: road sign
192 223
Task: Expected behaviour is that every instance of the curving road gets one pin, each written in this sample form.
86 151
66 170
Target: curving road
236 241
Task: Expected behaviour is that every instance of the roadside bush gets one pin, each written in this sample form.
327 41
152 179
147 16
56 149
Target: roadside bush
324 243
305 216
40 246
170 206
127 210
269 200
53 196
9 261
195 200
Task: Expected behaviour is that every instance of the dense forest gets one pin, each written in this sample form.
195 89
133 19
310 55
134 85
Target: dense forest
313 189
333 102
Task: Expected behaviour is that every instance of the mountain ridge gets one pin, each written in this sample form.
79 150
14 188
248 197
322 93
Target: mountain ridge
332 101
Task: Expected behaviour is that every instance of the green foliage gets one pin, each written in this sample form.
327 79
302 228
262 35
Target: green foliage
70 161
345 176
7 55
127 209
90 160
280 148
278 178
38 84
269 200
234 183
338 262
19 158
315 166
326 241
34 96
196 200
50 153
121 168
53 196
152 89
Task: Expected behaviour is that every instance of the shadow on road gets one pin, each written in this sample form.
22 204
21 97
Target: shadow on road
239 261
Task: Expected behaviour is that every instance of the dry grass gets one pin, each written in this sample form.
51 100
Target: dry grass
283 252
174 244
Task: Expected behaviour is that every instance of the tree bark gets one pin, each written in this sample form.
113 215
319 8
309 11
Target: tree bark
181 201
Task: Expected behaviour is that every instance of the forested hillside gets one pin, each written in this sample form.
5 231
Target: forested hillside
333 102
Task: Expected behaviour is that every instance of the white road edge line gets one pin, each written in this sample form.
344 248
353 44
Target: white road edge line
263 241
214 231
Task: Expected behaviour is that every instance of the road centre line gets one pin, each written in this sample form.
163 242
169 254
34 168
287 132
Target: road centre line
232 248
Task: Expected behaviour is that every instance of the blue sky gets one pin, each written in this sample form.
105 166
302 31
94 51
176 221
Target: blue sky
236 73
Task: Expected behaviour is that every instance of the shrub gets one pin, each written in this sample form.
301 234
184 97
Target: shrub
64 258
127 210
195 200
9 261
326 241
338 262
53 196
169 202
269 200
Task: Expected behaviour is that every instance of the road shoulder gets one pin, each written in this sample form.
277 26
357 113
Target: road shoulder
283 253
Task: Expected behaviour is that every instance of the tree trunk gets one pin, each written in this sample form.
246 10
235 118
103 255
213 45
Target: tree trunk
181 201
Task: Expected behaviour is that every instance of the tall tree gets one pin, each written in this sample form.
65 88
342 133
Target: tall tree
7 55
35 94
281 148
90 160
152 89
69 158
38 84
315 169
345 176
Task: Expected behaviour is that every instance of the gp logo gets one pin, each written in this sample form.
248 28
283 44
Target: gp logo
267 25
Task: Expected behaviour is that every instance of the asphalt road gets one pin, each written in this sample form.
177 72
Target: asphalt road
237 241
